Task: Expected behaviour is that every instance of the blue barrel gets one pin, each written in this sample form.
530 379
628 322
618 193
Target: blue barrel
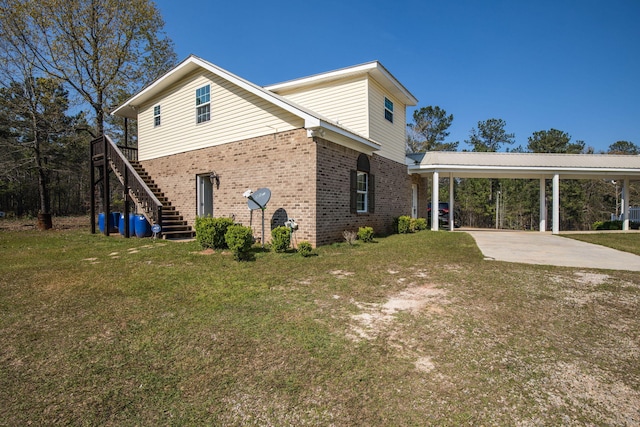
132 224
101 222
143 228
112 223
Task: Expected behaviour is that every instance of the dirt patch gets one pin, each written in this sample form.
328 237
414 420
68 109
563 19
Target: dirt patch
375 319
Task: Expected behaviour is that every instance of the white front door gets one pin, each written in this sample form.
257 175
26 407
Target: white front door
414 201
205 196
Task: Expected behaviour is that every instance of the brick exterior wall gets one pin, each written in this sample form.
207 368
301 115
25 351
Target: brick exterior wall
308 179
392 193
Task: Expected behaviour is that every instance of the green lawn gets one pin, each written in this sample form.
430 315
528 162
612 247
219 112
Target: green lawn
628 242
410 330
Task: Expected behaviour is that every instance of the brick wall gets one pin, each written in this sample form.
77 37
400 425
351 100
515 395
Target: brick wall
283 162
308 179
392 193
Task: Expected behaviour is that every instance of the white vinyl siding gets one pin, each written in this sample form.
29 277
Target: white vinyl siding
342 101
235 115
391 136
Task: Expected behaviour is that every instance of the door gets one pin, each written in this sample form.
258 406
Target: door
205 196
414 201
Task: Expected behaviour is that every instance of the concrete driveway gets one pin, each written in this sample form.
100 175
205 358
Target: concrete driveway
532 247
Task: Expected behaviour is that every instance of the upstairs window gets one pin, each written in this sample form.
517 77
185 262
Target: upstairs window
203 104
388 109
156 116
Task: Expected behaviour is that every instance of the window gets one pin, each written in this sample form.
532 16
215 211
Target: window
203 105
362 187
388 109
362 192
156 115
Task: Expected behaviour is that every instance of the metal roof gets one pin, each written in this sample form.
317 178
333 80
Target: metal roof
525 165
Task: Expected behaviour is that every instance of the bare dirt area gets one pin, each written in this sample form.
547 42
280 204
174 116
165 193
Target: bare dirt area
59 223
577 330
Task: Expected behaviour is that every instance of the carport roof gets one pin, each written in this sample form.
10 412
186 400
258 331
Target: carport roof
465 164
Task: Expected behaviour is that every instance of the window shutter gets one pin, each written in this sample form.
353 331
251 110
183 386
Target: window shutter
372 193
353 193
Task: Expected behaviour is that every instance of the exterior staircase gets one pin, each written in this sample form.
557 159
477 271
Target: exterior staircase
142 190
173 225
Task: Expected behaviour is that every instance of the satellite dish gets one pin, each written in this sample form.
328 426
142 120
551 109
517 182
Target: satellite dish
259 198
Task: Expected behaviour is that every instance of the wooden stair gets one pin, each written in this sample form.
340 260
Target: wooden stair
173 224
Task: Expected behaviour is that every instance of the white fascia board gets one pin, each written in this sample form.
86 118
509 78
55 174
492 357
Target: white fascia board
316 78
374 68
129 108
524 171
323 125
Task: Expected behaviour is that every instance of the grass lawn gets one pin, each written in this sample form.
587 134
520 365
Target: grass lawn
410 330
628 242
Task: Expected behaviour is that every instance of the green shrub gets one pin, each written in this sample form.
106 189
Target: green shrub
305 248
420 224
280 238
210 232
607 225
239 239
365 234
404 224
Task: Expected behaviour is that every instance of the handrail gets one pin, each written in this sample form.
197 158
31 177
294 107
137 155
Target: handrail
139 191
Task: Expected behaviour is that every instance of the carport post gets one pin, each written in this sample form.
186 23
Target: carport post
556 204
625 205
435 203
543 206
451 225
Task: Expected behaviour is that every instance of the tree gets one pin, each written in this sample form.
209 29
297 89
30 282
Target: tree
35 131
490 135
624 147
554 141
429 130
96 47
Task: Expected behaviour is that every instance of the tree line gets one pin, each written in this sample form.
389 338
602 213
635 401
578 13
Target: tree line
63 65
514 203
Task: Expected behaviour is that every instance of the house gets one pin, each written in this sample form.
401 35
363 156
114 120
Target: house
329 147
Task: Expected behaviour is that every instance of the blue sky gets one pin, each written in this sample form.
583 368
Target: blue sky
572 65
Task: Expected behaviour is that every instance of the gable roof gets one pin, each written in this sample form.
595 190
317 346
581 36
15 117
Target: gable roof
373 68
312 120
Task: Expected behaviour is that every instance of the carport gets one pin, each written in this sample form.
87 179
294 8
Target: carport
440 164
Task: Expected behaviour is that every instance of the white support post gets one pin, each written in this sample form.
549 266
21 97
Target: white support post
625 205
451 225
556 204
543 206
435 189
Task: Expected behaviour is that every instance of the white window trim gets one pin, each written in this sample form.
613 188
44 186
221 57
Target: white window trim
364 192
390 110
203 105
157 116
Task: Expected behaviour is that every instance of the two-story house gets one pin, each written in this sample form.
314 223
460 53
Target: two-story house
330 147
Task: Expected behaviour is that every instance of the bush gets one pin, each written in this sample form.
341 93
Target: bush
419 224
365 234
404 224
239 239
607 225
305 248
210 232
280 238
